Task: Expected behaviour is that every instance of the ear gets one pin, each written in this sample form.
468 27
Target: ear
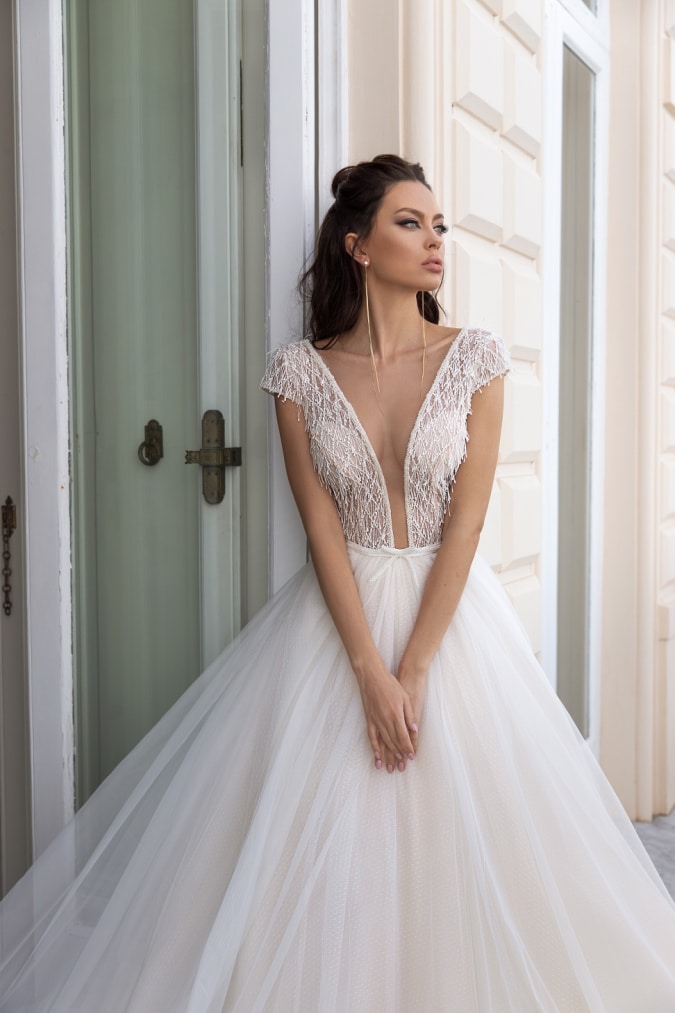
354 248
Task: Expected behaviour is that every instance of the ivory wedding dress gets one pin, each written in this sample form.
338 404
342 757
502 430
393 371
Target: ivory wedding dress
247 856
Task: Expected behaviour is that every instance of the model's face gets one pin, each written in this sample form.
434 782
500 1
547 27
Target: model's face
405 246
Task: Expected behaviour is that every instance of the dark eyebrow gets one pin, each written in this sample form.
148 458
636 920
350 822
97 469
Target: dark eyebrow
419 214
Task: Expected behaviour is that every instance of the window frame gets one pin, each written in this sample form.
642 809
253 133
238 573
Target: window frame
570 23
594 24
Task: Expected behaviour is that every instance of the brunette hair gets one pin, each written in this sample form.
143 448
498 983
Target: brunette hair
332 286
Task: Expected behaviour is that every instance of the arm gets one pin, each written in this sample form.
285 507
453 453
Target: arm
388 711
463 525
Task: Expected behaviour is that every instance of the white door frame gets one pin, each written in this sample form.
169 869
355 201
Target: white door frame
42 287
291 177
568 22
297 113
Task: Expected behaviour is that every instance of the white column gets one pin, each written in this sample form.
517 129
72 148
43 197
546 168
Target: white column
41 181
290 233
647 464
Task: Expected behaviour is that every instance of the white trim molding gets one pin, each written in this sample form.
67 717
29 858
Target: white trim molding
290 220
306 144
649 281
332 96
42 228
569 23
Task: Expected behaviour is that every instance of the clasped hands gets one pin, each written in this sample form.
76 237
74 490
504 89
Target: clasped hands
393 708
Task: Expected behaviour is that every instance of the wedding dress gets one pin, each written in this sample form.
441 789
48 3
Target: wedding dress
247 856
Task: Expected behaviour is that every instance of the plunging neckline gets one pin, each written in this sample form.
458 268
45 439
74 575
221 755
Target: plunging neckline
360 428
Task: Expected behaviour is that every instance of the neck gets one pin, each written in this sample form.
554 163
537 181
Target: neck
395 323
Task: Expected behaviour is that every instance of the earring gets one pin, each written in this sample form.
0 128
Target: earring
424 350
373 367
366 263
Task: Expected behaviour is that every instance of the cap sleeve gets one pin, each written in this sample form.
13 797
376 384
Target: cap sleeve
286 373
491 359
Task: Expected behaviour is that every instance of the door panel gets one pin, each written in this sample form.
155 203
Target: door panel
154 313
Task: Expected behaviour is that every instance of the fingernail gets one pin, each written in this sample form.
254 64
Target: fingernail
390 768
398 756
413 728
378 763
401 765
411 756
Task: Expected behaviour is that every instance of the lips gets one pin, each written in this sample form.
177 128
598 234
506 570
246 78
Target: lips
433 264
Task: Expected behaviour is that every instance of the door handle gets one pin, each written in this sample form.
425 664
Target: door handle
214 457
8 528
151 450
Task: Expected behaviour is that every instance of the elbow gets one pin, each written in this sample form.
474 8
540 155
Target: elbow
323 531
464 530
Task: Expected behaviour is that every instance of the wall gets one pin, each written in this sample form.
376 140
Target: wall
661 180
462 94
460 86
619 677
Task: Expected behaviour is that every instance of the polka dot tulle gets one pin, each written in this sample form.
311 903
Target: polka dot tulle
247 857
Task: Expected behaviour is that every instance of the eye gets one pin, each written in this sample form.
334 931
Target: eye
441 229
409 223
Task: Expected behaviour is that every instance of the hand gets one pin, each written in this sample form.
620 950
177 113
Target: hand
389 719
413 678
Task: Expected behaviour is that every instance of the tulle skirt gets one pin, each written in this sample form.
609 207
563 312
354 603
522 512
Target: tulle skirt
247 856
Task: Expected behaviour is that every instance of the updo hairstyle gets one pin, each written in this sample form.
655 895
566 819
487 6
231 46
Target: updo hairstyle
332 286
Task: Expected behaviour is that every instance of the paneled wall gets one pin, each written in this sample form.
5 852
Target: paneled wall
459 86
493 178
466 83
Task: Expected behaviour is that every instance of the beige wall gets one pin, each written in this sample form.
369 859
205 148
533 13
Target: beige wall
458 88
657 353
459 85
619 683
638 674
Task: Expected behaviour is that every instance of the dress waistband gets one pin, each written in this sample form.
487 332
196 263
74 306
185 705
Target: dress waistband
387 550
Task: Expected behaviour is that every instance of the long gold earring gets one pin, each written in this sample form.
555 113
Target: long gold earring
435 294
424 350
373 367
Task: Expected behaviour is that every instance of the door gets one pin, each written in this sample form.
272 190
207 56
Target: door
155 265
15 850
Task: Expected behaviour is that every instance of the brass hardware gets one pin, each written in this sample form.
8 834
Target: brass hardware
214 456
151 450
8 527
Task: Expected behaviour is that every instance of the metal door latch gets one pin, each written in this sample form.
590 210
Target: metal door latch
8 527
214 457
151 450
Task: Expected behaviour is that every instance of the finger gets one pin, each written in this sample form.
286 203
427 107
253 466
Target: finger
390 761
411 725
389 742
403 742
375 744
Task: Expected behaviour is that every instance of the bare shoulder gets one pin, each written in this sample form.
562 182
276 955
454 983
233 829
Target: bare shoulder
440 339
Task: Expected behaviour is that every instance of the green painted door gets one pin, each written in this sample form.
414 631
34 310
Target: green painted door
154 247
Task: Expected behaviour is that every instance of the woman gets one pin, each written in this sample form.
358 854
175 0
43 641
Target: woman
372 801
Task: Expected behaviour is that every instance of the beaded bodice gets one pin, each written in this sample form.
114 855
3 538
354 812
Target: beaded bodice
343 455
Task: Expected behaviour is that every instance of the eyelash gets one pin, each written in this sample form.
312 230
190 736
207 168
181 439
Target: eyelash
440 229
